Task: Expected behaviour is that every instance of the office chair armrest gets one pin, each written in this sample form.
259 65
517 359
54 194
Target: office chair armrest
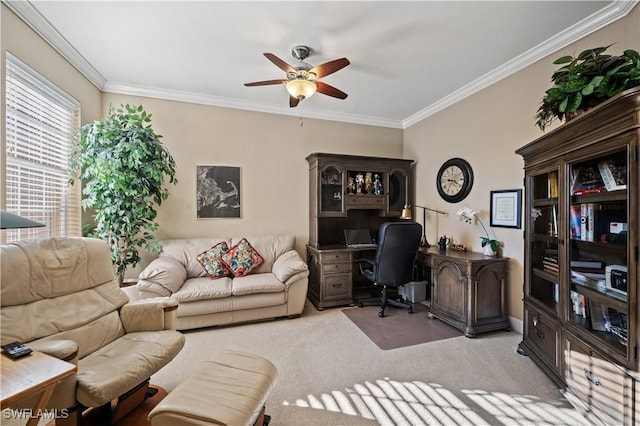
367 264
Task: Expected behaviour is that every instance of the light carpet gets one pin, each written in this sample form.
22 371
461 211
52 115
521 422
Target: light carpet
330 373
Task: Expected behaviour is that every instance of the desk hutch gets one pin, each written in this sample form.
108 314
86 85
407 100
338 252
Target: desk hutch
581 258
348 192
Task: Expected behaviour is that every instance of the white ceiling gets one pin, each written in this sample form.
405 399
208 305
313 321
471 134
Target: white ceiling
408 59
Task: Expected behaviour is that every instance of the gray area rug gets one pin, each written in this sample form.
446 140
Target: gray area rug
398 328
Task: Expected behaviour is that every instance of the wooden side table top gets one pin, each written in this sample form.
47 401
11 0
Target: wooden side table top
30 375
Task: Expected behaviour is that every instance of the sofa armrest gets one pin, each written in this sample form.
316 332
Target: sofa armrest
149 314
66 350
163 276
289 264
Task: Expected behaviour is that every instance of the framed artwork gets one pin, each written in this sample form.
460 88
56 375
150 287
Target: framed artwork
217 191
506 208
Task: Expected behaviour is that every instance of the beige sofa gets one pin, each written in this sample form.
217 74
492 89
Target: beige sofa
276 288
58 296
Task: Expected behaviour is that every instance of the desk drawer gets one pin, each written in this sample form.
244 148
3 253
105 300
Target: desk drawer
365 201
337 286
336 268
340 256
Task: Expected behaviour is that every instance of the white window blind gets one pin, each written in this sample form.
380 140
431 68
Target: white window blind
40 125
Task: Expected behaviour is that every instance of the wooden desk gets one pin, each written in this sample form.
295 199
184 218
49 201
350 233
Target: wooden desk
468 289
331 274
33 374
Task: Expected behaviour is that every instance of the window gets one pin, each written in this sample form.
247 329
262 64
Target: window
41 122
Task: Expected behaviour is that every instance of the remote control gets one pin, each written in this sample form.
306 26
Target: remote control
16 350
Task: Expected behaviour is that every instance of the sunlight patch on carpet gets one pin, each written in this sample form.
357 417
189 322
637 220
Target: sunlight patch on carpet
391 402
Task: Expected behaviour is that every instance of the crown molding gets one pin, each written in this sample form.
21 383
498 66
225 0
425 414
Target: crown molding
198 98
600 19
30 15
33 18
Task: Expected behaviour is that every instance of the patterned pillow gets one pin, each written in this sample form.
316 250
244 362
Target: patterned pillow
242 258
211 261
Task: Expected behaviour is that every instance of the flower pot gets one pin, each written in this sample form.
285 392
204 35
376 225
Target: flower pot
488 251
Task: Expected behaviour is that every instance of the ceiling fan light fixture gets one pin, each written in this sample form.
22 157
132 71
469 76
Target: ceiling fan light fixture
300 88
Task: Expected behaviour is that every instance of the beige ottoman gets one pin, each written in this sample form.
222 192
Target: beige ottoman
229 389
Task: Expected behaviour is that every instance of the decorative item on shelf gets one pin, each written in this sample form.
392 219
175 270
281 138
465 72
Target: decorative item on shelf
458 247
585 81
490 245
377 185
444 242
359 183
368 183
406 215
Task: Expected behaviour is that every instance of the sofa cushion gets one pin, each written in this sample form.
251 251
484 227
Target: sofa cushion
256 283
211 261
242 258
165 271
270 248
186 251
203 288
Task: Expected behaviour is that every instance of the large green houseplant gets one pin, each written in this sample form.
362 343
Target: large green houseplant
123 164
586 80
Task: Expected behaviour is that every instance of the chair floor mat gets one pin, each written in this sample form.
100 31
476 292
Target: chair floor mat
398 328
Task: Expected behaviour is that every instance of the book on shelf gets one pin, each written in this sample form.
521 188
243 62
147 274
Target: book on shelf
586 263
592 280
586 180
586 222
597 314
613 175
553 184
550 264
576 230
578 302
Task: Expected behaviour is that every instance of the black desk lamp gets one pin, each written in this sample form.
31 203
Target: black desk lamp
13 221
406 215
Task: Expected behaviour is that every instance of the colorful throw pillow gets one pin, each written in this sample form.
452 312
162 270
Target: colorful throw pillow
242 258
211 261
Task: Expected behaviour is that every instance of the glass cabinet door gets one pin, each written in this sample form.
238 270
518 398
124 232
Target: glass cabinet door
331 191
543 283
598 303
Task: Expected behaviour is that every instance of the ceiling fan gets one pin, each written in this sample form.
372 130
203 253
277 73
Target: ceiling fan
302 78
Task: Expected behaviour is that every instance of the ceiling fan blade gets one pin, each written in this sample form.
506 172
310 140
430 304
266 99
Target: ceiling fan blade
280 63
329 67
325 89
293 102
265 83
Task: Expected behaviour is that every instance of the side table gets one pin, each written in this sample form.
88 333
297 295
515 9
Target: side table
36 373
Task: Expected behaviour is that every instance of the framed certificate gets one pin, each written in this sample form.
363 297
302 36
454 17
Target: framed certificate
506 208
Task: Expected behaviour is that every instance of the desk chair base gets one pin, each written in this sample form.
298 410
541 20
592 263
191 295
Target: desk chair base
384 301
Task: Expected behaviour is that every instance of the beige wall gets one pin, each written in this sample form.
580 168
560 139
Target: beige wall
486 129
270 150
18 38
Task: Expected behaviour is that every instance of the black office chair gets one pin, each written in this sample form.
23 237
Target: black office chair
398 244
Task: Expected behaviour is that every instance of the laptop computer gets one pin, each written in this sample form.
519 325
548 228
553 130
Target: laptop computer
358 238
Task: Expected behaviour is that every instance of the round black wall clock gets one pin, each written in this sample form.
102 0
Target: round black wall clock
455 179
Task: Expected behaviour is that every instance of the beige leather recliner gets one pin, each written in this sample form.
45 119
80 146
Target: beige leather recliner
58 296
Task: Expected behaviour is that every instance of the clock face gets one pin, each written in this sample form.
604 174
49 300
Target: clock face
455 179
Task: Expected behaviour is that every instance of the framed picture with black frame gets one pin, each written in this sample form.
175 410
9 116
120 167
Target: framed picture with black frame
506 208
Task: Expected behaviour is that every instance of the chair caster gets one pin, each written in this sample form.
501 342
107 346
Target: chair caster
381 314
411 311
360 304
